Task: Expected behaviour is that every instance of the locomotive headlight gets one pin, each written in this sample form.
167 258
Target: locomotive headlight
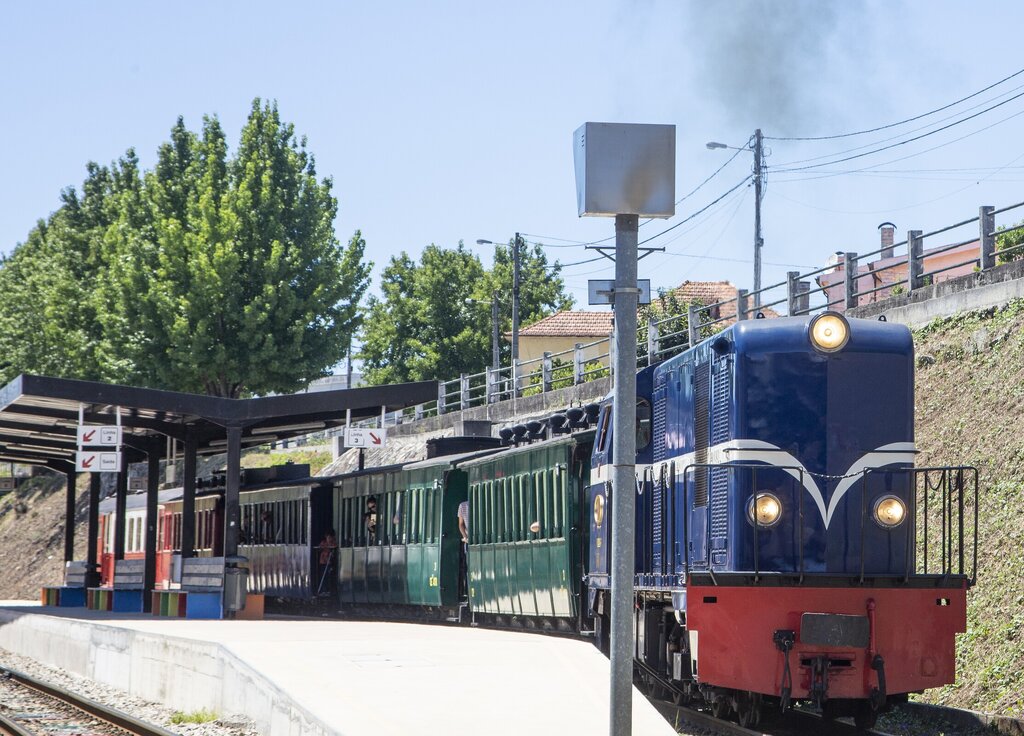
890 512
829 332
598 509
764 510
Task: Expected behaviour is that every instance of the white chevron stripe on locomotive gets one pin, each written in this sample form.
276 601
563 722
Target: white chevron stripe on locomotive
765 452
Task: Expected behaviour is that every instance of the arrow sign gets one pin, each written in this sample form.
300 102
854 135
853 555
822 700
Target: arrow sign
99 435
362 437
90 461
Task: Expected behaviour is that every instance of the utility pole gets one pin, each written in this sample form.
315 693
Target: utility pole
515 297
758 241
495 347
623 474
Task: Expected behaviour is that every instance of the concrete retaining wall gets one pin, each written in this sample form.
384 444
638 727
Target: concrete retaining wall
981 290
182 674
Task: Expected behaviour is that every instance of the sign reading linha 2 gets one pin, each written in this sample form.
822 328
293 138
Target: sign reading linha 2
89 461
362 437
99 435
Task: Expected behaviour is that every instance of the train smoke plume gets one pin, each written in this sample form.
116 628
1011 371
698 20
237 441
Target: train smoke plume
767 62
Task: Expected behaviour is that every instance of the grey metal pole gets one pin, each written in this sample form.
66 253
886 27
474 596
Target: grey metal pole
188 497
624 475
495 345
348 364
515 297
69 515
232 509
758 241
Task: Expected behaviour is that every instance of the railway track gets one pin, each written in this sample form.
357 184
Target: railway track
29 707
795 722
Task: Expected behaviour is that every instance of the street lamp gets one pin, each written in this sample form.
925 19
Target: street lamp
758 150
516 245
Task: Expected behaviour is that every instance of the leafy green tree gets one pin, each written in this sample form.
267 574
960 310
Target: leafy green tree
541 290
673 317
210 273
428 323
1008 238
433 318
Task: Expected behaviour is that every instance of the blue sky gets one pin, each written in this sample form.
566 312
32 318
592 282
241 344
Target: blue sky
453 120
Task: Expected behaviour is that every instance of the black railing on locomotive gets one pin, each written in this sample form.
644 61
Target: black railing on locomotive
958 508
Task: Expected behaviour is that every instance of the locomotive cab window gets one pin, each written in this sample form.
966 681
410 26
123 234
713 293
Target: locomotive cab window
643 424
606 423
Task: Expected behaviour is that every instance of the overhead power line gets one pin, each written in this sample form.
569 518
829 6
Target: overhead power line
744 181
898 143
900 122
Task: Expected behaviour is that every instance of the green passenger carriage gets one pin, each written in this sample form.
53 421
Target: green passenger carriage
527 533
410 554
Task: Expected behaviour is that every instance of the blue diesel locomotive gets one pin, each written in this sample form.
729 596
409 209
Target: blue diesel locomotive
787 547
782 528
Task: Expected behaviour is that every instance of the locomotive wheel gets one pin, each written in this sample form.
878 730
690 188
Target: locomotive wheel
720 708
748 709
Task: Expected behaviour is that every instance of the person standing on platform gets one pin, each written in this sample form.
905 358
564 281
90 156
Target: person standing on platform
328 547
463 514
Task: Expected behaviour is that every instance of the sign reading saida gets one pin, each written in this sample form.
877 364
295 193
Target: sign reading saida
92 461
7 484
363 437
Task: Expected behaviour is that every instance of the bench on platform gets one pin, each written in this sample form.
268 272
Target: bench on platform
201 594
72 593
126 595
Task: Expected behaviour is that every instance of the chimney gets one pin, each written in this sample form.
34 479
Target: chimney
888 230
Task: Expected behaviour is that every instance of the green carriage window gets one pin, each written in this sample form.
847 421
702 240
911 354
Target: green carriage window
487 490
428 515
540 505
486 502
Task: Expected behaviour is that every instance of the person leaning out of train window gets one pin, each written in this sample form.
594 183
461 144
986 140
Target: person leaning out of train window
370 520
269 534
463 515
464 521
327 546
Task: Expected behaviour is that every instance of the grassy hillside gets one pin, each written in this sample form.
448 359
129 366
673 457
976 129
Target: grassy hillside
970 397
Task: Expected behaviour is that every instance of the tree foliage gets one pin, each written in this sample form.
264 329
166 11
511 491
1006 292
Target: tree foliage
433 318
673 318
211 273
1008 238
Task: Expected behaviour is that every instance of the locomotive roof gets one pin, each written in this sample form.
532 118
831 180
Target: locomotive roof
790 334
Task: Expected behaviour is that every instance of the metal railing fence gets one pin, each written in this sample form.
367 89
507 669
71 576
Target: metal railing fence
662 338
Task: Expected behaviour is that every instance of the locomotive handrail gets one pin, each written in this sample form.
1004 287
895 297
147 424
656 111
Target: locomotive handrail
950 481
753 466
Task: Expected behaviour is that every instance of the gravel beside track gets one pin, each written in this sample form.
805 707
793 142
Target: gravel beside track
114 698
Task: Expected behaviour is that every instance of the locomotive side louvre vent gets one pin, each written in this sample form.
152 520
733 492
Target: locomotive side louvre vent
657 507
660 408
721 389
701 428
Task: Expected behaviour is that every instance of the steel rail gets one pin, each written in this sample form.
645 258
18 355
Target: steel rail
11 728
96 710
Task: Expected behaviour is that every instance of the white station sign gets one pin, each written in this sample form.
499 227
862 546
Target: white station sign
363 437
90 461
99 435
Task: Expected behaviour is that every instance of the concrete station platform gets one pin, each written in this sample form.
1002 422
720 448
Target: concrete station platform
297 677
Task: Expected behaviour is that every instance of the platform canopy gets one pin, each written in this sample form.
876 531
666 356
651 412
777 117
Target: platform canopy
39 415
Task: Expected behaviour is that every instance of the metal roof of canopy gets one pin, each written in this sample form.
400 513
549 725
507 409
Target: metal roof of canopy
39 415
